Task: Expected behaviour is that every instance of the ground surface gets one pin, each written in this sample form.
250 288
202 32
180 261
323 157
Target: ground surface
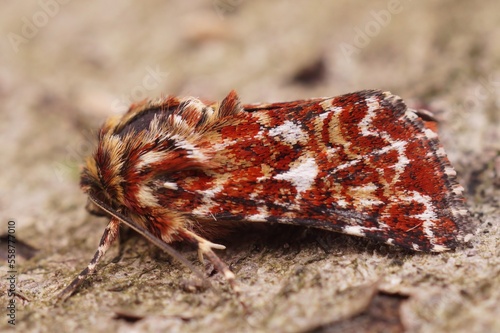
65 67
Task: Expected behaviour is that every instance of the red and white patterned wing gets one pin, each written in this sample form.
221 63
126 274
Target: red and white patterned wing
361 164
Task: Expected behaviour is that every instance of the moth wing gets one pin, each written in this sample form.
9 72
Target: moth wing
362 164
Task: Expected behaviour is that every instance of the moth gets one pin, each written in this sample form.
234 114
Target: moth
364 164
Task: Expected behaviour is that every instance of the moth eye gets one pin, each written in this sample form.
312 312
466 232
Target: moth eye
93 209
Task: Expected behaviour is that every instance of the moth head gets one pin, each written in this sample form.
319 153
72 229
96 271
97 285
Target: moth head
102 176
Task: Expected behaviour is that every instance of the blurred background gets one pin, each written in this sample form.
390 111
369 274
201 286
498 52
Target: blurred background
67 65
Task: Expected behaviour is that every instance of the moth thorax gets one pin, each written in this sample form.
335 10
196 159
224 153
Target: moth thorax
181 115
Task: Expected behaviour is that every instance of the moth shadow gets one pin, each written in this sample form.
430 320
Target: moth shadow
278 240
283 239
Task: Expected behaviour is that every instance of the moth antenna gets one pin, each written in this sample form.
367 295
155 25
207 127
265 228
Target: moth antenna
148 235
109 236
107 239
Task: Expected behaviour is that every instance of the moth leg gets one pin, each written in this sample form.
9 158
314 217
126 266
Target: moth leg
107 239
205 249
121 238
